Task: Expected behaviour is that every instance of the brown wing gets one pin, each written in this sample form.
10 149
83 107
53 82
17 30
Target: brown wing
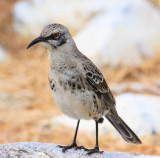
100 86
97 82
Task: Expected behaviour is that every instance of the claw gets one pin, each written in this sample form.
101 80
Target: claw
82 147
95 150
60 146
64 148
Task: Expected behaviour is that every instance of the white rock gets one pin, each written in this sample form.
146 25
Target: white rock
31 16
140 112
122 32
2 55
126 33
136 88
46 150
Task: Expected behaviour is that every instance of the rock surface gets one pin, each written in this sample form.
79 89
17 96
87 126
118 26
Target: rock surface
44 150
140 112
31 16
114 32
127 33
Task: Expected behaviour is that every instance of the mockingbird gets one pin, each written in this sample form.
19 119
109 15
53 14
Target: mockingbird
77 85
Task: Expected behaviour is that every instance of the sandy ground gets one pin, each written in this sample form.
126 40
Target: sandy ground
25 98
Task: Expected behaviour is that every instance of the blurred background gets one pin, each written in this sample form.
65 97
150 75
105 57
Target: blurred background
121 37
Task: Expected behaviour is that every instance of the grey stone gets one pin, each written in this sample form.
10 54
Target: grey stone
46 150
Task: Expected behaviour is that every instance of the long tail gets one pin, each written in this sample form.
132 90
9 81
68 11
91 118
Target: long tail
127 134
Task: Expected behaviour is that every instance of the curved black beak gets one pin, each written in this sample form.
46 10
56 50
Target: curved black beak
35 41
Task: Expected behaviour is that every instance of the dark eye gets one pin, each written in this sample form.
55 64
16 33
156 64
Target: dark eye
56 35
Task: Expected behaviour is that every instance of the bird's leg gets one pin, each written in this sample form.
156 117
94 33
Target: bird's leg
96 148
74 144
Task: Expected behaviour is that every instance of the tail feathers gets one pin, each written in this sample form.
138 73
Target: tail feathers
127 134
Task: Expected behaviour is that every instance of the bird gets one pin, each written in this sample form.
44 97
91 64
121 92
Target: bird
78 87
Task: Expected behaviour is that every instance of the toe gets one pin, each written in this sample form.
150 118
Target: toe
92 151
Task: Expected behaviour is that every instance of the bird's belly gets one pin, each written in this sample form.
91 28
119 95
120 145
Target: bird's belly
76 105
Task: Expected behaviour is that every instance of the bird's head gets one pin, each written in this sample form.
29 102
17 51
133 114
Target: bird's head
54 37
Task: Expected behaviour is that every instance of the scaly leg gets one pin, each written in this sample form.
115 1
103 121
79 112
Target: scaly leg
74 144
96 148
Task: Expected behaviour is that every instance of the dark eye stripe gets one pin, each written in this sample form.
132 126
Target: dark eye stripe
61 39
52 37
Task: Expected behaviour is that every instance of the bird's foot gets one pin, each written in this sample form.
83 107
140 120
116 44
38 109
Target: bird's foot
92 151
73 145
